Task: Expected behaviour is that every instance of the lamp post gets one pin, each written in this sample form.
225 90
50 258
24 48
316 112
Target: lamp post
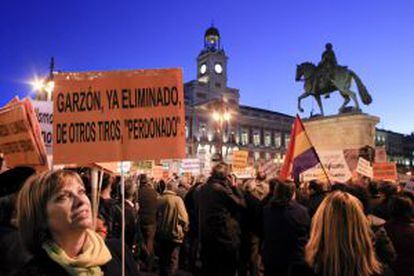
44 87
221 116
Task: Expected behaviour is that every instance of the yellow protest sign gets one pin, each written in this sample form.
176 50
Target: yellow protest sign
118 116
240 158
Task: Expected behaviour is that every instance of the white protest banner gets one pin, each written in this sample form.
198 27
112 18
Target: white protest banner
335 166
364 168
270 168
44 114
191 166
244 173
118 116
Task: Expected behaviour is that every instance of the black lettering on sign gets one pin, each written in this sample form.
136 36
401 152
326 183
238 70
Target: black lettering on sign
61 133
18 127
152 127
109 130
112 96
149 97
82 132
79 101
4 131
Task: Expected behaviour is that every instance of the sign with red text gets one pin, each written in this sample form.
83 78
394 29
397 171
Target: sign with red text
118 116
385 171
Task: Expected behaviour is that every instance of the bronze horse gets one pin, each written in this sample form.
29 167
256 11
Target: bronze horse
340 80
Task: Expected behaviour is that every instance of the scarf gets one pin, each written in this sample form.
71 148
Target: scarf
87 263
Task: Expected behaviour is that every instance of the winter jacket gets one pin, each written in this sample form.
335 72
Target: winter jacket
172 218
219 209
147 200
286 232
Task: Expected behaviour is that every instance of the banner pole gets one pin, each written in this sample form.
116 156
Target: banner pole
317 155
123 216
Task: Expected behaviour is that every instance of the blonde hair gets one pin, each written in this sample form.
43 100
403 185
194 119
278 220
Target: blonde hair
340 241
31 206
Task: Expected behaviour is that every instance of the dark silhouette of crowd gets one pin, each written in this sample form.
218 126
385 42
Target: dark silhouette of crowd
203 225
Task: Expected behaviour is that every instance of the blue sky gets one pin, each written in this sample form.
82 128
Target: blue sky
263 39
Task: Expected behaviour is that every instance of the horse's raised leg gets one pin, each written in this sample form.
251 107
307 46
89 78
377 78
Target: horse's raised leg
354 98
304 95
319 101
346 101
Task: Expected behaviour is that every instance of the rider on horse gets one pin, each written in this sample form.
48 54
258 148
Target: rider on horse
325 68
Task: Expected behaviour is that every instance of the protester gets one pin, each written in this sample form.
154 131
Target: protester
109 209
133 233
54 218
401 231
147 200
220 205
172 220
251 223
383 210
13 255
316 195
340 240
286 226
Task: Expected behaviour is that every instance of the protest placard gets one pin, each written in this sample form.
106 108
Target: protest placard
270 168
244 173
191 166
240 158
385 171
380 155
118 115
335 166
364 168
20 140
44 115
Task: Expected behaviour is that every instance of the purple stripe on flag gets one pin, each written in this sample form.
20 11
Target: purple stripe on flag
303 162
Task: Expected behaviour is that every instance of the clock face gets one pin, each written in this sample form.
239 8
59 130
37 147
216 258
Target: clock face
218 68
203 68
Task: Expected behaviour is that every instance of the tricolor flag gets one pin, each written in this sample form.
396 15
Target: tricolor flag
301 154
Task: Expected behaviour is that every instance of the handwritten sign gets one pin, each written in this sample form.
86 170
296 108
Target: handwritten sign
385 171
240 158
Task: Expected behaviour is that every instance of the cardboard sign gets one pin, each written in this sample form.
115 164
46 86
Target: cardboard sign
20 140
157 172
191 166
364 168
270 168
118 116
240 158
44 114
385 171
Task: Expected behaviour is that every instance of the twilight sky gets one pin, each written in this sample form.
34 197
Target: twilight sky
263 39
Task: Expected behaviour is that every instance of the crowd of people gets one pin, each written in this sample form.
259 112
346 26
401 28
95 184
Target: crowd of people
215 225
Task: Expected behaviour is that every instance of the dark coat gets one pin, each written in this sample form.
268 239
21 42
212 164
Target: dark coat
110 213
401 233
220 206
13 253
42 265
148 202
286 230
314 201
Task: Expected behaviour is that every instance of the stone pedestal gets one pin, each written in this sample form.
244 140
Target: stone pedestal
340 132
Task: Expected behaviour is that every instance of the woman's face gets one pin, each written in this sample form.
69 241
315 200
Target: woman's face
69 209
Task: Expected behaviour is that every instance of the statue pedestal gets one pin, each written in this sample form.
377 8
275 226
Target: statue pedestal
340 132
338 140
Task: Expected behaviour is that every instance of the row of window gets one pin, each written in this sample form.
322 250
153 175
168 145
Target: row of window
267 139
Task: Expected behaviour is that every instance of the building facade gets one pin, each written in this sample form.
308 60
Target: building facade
216 123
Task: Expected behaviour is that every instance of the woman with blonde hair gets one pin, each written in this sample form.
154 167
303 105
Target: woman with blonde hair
55 223
340 241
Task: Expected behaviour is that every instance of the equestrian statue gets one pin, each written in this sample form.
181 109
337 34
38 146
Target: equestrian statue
329 77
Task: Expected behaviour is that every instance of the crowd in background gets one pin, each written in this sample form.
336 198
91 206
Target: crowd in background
215 225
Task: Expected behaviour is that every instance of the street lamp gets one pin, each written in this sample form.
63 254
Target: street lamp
221 115
44 87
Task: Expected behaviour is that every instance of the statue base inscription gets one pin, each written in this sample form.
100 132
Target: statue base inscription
340 132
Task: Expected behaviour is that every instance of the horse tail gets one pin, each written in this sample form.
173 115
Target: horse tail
363 92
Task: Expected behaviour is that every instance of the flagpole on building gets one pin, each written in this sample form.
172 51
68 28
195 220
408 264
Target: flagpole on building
317 155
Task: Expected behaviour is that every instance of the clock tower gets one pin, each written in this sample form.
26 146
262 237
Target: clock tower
212 62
